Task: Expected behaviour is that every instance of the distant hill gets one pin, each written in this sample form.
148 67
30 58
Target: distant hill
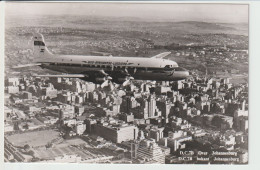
130 23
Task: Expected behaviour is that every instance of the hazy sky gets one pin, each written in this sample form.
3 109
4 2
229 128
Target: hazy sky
171 12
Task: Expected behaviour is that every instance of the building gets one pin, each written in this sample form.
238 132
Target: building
126 117
27 95
149 151
13 81
116 132
50 91
165 108
13 89
156 133
80 128
175 140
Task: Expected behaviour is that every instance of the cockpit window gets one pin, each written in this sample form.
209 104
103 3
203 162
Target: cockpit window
168 66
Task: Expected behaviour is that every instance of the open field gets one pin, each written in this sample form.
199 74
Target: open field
34 139
51 153
74 146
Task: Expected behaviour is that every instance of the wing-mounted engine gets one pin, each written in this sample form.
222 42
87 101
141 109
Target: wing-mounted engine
101 78
125 77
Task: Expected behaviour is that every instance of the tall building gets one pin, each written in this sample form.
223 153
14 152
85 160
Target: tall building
151 106
156 133
164 107
149 151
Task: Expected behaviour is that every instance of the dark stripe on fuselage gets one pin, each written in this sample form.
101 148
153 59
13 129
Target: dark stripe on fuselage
144 73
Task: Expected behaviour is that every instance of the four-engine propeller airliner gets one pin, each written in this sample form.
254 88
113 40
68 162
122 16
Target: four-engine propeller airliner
106 69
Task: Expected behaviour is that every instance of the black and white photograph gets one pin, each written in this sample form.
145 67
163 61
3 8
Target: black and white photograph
126 83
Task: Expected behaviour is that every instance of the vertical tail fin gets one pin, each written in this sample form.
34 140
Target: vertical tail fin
40 50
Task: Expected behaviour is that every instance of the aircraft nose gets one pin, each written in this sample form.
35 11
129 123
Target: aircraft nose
183 72
186 73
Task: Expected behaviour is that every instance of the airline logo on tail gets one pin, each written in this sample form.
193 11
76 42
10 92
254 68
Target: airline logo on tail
39 46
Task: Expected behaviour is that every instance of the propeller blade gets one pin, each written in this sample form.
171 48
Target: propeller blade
126 71
103 72
131 78
127 82
112 67
135 70
112 87
105 83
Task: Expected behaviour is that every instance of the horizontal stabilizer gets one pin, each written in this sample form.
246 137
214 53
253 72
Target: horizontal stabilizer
162 55
62 75
27 65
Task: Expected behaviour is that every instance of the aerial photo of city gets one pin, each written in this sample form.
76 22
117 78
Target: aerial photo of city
200 119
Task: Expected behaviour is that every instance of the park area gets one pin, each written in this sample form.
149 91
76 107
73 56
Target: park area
34 139
39 140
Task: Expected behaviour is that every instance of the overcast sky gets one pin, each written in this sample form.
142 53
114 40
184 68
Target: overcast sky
172 12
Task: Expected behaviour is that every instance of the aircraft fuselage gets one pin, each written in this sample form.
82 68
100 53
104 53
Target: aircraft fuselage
139 68
104 69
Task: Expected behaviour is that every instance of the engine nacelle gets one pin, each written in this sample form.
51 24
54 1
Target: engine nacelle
124 80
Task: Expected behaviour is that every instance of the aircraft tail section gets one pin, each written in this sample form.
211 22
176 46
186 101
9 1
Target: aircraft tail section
39 48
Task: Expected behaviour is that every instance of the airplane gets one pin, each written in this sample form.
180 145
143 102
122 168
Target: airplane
106 69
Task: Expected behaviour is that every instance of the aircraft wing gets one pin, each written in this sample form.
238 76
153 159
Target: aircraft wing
161 55
27 65
62 75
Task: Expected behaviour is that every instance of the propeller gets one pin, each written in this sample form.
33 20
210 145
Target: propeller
135 70
104 73
112 67
128 81
127 71
107 81
128 77
112 87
